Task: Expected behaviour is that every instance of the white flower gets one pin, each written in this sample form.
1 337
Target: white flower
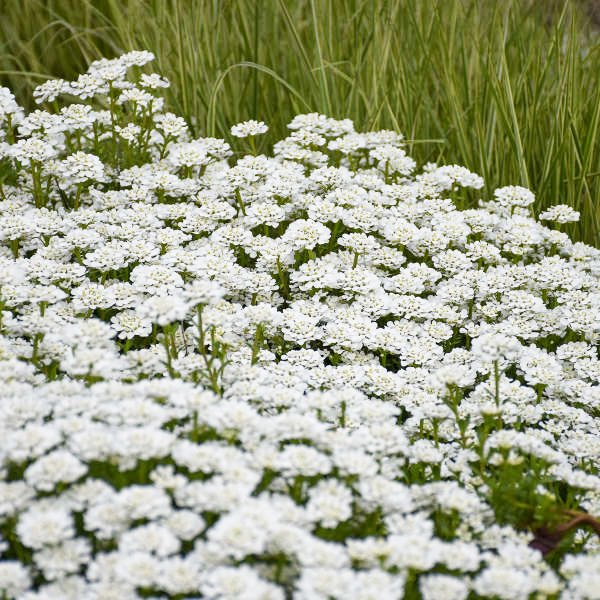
203 291
490 347
144 502
41 526
61 560
514 195
329 503
302 460
153 538
87 86
14 578
155 279
32 149
249 128
136 58
9 107
393 160
139 569
49 90
91 296
561 213
163 309
153 81
443 587
342 584
306 234
56 467
170 125
180 575
185 524
128 324
238 583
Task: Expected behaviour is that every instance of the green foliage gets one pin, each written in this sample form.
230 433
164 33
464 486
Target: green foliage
509 89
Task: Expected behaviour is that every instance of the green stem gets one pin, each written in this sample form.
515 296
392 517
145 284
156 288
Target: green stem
258 342
240 202
37 185
496 383
14 246
167 343
77 197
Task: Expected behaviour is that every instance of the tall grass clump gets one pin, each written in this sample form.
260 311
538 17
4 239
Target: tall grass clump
510 89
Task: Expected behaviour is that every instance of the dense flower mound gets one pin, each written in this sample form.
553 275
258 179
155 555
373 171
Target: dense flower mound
310 375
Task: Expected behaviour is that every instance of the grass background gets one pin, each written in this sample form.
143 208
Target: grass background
508 88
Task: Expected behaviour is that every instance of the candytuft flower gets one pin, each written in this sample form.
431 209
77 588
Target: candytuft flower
249 128
560 213
304 374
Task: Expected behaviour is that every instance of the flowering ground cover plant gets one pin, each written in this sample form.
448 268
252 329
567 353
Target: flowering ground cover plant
307 375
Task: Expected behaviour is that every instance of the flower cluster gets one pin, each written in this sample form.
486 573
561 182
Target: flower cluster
307 375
